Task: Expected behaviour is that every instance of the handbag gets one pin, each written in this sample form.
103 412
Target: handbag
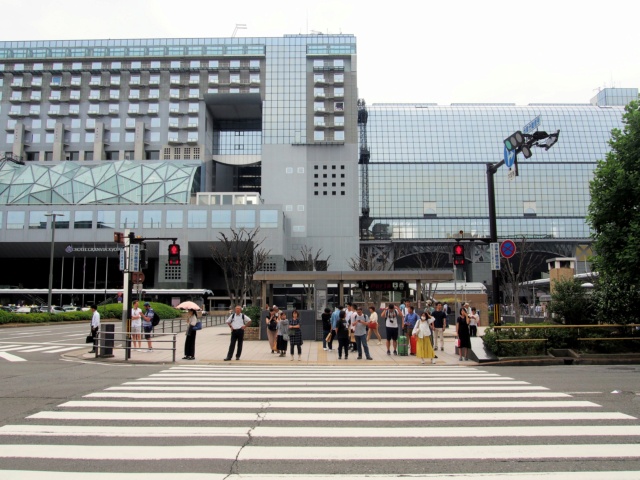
285 337
329 337
458 342
197 326
373 325
89 339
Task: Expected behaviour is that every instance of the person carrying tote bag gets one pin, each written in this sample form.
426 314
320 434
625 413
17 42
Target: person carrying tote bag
422 333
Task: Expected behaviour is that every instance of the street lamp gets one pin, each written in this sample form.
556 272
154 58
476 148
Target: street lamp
53 240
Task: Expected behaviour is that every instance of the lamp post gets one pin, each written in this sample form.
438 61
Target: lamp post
53 240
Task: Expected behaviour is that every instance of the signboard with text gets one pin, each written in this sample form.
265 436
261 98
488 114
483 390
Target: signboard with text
383 286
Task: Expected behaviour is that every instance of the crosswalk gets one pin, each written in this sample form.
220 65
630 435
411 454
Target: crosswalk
10 349
237 422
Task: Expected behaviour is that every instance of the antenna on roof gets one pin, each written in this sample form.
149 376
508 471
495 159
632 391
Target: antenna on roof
239 26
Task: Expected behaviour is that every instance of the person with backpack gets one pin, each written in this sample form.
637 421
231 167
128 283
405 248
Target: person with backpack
147 324
237 322
342 333
408 322
272 328
393 317
360 320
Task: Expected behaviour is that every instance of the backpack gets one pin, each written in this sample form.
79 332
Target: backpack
273 325
155 320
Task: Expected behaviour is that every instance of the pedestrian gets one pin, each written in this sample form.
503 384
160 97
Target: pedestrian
237 322
272 329
462 332
335 316
95 326
422 332
283 334
295 334
474 319
439 326
373 325
190 340
147 325
408 322
136 326
393 317
351 311
326 330
342 333
360 321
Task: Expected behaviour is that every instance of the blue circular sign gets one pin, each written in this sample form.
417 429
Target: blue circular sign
509 157
508 248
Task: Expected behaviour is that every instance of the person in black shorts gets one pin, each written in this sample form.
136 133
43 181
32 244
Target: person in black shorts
393 318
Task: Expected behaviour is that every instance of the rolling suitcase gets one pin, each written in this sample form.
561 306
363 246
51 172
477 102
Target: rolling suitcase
402 346
414 343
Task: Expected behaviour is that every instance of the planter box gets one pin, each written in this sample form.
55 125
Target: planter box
251 333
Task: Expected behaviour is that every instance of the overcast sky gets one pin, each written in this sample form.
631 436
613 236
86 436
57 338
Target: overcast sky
412 51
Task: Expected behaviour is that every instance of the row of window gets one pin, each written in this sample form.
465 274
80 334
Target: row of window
113 80
131 65
151 219
109 137
103 109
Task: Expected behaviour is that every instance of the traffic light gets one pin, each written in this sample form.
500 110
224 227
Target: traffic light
174 254
514 141
458 254
144 261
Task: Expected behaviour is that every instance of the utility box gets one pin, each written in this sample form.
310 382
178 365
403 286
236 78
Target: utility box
106 340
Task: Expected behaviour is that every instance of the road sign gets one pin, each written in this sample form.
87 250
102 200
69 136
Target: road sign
137 277
494 249
508 248
123 260
532 125
509 157
134 257
383 286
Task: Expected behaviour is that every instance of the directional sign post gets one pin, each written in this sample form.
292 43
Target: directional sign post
508 248
494 249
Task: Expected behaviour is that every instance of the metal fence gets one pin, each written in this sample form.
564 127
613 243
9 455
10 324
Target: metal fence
177 325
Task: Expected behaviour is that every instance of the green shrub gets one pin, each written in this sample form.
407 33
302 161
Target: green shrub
253 312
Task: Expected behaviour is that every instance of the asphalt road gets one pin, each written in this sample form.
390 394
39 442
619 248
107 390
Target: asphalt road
89 420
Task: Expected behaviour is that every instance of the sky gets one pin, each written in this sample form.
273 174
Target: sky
409 51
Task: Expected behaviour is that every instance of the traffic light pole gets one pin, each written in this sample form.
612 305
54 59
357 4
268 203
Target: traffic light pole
492 168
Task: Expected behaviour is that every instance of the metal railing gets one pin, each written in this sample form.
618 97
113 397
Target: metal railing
178 325
122 341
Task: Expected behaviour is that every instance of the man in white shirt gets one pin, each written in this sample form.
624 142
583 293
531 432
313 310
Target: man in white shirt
136 326
95 326
237 322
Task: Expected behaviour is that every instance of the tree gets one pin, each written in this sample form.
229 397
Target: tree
570 303
239 256
308 261
518 269
614 216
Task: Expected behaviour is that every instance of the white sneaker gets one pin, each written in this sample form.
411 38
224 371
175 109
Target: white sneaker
433 361
150 350
325 349
292 358
299 358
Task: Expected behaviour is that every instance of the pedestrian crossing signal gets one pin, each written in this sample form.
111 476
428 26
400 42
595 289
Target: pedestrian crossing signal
458 254
174 254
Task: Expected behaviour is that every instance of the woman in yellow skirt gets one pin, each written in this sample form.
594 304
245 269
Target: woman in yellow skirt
422 331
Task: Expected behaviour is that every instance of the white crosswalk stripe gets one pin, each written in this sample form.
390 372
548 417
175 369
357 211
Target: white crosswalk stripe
47 347
200 419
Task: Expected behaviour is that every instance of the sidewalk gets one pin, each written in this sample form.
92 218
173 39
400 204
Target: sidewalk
212 344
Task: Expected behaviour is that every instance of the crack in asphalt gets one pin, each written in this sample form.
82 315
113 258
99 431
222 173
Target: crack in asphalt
260 416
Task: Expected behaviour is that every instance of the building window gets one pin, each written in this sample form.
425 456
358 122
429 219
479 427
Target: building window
128 219
220 219
245 219
15 220
174 219
167 154
268 219
83 220
318 136
106 219
429 209
177 153
339 135
197 219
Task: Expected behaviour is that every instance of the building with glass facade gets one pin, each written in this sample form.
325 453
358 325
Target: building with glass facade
181 138
427 176
189 138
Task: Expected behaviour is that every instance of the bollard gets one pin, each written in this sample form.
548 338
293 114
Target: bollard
106 340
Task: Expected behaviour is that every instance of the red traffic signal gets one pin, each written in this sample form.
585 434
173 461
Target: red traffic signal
458 254
174 254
